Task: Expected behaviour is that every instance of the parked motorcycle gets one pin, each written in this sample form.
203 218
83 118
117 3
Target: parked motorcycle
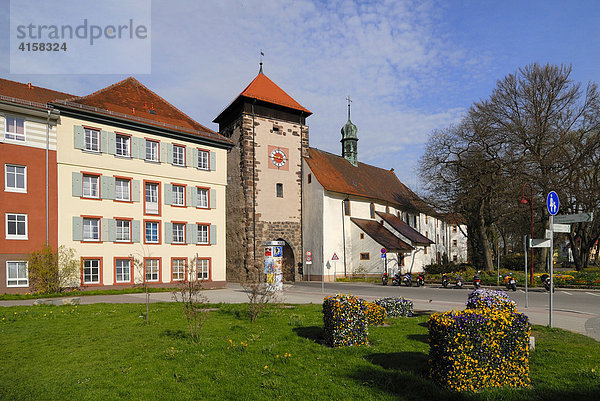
510 282
477 280
445 280
420 280
459 281
546 281
397 279
384 278
407 280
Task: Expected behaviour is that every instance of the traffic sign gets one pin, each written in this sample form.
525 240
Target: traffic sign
383 250
383 256
308 257
539 243
335 257
552 203
574 218
561 228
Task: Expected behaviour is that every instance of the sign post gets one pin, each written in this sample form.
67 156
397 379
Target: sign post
552 203
384 257
526 292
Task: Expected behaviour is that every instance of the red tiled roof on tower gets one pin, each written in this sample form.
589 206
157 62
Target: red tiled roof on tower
262 88
336 174
130 99
30 93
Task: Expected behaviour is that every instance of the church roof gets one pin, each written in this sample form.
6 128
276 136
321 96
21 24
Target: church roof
336 174
262 88
382 235
29 94
404 229
131 100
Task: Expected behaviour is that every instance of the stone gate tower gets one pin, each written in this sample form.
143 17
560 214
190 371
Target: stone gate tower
264 170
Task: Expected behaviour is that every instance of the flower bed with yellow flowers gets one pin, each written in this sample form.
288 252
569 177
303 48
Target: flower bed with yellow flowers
479 348
345 320
396 306
375 314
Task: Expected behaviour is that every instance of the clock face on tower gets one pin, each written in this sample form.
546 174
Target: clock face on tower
278 157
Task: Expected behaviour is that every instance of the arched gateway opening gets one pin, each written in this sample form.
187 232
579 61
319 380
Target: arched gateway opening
289 262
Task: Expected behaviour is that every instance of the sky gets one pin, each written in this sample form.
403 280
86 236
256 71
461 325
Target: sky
410 67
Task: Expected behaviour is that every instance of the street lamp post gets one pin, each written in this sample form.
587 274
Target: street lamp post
525 200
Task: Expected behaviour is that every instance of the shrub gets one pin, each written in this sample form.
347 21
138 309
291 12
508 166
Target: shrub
345 321
492 299
396 306
375 314
51 272
479 348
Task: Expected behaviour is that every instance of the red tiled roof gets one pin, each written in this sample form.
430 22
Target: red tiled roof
336 174
262 88
404 229
382 235
30 93
130 99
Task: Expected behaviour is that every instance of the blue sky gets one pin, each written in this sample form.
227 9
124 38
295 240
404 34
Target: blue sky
410 67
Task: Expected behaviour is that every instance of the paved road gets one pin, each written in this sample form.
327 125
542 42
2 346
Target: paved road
574 310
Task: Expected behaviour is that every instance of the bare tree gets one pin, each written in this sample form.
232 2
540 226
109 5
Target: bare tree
189 296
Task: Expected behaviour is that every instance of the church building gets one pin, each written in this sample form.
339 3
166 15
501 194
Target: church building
335 215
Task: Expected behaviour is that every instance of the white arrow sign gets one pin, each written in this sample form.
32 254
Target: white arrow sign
574 218
539 243
561 228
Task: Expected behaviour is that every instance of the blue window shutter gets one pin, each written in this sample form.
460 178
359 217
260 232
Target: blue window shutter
195 158
213 234
135 190
104 141
78 137
212 161
190 196
191 233
163 153
168 232
77 228
104 230
142 144
168 194
189 157
112 230
169 153
212 199
77 182
135 148
107 187
135 231
112 143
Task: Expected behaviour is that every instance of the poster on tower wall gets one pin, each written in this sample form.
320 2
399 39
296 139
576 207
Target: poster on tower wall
274 264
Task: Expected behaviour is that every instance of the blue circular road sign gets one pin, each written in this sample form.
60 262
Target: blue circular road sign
552 203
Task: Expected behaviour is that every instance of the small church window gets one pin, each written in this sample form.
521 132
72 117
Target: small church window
275 128
401 257
387 209
362 235
279 190
372 206
309 178
425 251
346 207
364 256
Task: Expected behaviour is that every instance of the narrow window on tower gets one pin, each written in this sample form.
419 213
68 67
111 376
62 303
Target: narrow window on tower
346 207
279 190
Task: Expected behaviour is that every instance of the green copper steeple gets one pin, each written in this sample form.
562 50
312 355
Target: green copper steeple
350 139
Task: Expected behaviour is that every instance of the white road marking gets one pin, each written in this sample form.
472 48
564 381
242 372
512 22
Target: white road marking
591 293
568 293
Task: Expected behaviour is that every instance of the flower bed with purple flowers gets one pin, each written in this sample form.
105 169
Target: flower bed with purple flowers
486 345
494 299
396 306
345 320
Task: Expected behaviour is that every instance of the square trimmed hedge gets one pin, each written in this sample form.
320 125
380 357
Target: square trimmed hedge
396 306
479 348
375 314
345 320
487 298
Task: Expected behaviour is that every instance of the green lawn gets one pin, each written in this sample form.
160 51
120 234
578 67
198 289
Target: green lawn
105 352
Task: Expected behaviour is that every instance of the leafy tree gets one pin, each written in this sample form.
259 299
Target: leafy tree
51 272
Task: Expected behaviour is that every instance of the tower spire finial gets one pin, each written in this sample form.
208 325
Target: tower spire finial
260 71
349 101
